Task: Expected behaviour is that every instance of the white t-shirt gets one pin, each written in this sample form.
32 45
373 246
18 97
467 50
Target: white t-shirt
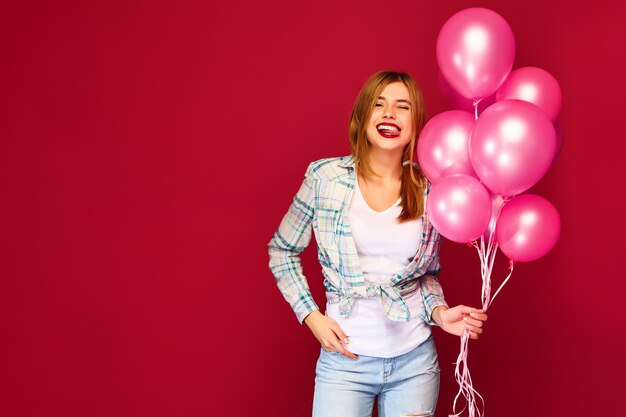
384 247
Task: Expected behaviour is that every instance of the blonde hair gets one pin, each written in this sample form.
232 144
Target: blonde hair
413 180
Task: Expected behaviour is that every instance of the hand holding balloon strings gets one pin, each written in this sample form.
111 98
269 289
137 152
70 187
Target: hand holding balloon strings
480 163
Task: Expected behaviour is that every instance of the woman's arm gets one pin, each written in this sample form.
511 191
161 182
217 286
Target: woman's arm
432 293
291 238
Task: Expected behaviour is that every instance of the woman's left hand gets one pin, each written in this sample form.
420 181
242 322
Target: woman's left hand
456 319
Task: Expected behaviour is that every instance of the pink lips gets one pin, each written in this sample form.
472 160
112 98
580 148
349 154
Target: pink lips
386 133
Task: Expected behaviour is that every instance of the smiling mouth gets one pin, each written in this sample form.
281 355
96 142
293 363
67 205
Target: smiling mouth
388 130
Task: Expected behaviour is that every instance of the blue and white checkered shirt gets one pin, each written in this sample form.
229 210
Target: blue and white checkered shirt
321 205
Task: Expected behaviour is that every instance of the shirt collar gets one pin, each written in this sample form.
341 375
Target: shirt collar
347 162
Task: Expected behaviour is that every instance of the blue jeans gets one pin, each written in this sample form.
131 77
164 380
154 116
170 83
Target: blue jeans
406 385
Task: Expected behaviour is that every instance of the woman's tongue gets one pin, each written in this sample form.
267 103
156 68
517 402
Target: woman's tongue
389 133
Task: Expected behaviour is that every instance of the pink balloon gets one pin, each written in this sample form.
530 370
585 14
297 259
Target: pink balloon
497 202
443 145
459 207
459 102
534 85
528 228
475 51
512 146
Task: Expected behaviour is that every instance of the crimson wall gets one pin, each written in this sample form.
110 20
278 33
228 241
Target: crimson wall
148 151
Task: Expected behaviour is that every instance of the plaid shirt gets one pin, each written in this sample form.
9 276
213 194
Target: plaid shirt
321 205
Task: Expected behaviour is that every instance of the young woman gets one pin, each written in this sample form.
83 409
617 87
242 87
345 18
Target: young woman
380 259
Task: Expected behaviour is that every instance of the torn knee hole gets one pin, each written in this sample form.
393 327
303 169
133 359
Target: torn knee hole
432 370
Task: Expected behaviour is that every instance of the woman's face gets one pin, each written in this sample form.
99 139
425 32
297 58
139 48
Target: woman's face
391 125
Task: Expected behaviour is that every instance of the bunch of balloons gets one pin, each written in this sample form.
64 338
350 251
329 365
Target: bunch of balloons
480 162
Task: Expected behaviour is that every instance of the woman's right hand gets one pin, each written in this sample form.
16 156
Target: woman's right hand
328 333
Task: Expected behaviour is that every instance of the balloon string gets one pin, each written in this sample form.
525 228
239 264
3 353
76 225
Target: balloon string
463 378
487 254
476 108
511 265
487 258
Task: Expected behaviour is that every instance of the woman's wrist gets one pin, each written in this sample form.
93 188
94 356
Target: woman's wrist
307 320
436 315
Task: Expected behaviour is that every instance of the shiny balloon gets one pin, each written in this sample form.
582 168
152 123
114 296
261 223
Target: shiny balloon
459 208
443 145
512 145
475 51
528 228
534 85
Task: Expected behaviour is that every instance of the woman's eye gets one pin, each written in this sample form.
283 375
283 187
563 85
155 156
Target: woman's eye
404 108
378 105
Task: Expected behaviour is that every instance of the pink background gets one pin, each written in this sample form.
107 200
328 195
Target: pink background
148 151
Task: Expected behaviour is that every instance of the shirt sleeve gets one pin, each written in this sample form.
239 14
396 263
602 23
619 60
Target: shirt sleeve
432 293
291 238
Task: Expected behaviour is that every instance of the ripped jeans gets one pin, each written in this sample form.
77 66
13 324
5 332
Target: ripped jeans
406 385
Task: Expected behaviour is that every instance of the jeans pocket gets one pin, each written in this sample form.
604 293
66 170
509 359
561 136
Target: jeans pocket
327 362
334 359
334 352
